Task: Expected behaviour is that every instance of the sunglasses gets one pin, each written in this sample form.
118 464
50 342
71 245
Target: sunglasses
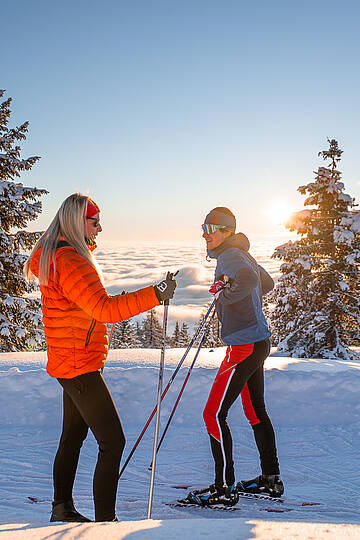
208 228
95 220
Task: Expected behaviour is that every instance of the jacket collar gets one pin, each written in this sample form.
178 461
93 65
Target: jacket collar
239 241
90 243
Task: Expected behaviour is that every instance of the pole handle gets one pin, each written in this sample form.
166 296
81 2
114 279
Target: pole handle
170 275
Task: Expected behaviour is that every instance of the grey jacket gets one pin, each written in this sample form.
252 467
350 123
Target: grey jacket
239 306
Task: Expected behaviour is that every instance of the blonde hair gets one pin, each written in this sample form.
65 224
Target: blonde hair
69 224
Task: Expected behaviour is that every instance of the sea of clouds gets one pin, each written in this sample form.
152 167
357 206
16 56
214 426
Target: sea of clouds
128 267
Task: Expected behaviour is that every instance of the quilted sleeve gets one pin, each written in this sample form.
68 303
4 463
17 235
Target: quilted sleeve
80 283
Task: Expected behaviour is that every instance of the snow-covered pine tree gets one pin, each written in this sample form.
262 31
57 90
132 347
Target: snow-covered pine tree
175 338
20 315
124 335
138 334
152 336
213 338
184 337
317 298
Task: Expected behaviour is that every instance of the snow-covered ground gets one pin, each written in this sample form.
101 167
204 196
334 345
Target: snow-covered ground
314 406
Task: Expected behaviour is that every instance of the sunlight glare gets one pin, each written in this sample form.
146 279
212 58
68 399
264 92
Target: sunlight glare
279 213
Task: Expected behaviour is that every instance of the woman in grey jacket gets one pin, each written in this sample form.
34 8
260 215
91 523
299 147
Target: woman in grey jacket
238 287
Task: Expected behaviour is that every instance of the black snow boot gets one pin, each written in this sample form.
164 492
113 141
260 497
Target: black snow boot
211 496
269 484
66 511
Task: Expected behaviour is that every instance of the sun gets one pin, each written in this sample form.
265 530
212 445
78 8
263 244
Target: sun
279 213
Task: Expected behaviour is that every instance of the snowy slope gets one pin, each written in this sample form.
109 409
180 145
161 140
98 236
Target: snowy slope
314 406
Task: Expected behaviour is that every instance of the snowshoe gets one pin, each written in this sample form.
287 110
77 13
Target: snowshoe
212 496
270 484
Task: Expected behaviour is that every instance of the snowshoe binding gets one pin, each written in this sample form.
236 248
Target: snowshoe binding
212 496
267 484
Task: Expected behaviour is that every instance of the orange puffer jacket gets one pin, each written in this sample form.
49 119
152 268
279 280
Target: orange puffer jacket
75 308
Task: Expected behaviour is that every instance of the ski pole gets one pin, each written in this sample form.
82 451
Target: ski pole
161 371
206 331
111 333
167 387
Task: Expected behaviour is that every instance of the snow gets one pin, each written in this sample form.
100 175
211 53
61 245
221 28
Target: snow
343 236
185 528
314 406
304 261
343 286
352 220
355 227
353 257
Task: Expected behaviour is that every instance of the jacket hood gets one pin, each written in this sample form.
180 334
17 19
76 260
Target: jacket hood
35 262
239 241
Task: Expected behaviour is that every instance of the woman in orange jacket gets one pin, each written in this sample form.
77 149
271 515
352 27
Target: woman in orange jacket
76 308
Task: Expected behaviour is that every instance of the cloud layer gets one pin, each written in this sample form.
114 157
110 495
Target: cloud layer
131 267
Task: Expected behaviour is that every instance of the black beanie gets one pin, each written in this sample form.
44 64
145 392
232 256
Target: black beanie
216 217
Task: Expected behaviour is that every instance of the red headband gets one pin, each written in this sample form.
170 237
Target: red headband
92 208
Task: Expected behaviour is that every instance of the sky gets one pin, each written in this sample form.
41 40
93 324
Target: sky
161 110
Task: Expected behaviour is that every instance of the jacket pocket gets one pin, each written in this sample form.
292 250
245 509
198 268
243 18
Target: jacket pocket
90 331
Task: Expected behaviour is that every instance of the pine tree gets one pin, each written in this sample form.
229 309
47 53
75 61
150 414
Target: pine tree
20 315
138 335
124 335
317 299
184 337
213 338
152 331
175 338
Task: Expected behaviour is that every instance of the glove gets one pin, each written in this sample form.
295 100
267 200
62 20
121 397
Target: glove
165 290
217 288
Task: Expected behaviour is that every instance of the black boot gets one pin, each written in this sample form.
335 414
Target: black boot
66 511
265 483
212 496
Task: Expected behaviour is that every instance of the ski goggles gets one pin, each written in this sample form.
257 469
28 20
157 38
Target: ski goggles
209 228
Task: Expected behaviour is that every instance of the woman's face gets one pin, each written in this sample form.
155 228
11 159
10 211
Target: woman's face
216 238
92 227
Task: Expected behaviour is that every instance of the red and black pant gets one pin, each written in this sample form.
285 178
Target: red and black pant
241 372
88 404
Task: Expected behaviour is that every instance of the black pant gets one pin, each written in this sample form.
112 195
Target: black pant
241 372
88 404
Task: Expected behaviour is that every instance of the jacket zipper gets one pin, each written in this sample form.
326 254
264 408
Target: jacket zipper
90 331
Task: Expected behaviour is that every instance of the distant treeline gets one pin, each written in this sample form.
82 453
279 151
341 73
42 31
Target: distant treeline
149 333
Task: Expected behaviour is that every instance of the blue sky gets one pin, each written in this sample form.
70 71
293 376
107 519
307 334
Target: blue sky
162 110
